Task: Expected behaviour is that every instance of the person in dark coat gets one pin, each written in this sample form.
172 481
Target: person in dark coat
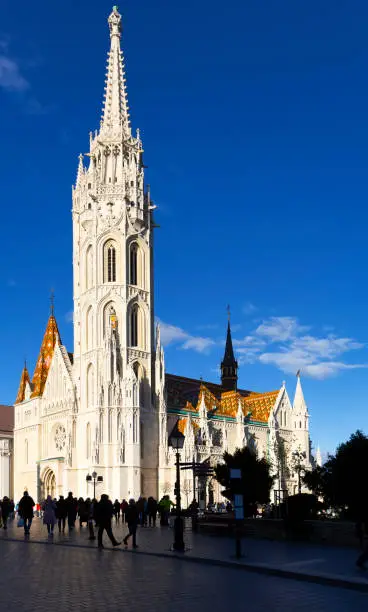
71 510
152 511
25 511
117 510
132 517
104 513
61 512
5 510
82 512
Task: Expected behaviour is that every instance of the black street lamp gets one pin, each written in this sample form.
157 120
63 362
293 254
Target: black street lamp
177 442
95 479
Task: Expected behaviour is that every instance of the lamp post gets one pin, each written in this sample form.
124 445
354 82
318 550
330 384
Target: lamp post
177 442
299 458
94 478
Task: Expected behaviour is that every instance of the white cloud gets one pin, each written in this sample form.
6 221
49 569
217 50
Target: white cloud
279 329
249 308
11 78
315 356
170 334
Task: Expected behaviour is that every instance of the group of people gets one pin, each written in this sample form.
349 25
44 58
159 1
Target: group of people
93 513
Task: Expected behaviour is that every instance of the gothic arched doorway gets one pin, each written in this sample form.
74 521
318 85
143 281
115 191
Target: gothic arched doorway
49 484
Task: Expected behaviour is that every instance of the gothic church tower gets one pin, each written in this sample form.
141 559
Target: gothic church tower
113 298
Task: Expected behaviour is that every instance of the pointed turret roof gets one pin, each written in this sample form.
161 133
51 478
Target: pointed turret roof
299 402
24 380
115 116
229 358
51 337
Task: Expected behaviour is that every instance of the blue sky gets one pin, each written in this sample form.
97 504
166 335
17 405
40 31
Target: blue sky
254 122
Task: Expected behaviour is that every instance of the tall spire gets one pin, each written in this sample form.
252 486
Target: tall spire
229 365
299 404
51 337
115 116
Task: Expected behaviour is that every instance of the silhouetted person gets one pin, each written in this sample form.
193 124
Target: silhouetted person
117 510
152 511
71 510
5 510
61 512
25 511
105 511
131 517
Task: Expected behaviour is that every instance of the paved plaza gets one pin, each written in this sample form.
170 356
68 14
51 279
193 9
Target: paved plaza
37 575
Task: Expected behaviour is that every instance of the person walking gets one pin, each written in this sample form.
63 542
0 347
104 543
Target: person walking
132 517
117 510
61 512
25 511
105 511
71 510
49 518
152 511
82 512
5 511
124 506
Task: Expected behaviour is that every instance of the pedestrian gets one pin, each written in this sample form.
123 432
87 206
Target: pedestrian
5 511
49 517
104 514
61 512
152 511
82 512
71 510
25 511
164 508
131 517
362 530
117 510
124 506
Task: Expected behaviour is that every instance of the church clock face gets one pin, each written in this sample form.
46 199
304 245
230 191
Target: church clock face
60 437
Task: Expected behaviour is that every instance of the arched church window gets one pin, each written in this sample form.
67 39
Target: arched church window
101 427
88 440
110 262
90 386
89 267
118 425
134 325
133 260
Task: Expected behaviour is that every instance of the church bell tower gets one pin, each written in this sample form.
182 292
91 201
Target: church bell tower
113 295
229 365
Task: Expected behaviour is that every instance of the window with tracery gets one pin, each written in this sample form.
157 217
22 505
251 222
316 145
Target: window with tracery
110 262
133 272
134 326
60 438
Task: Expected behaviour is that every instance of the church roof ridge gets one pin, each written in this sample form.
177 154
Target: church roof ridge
24 379
50 338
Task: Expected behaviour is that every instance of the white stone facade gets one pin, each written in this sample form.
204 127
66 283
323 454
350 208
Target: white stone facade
106 407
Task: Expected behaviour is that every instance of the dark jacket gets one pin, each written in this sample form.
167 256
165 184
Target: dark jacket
71 507
104 511
61 509
5 508
151 506
132 514
25 508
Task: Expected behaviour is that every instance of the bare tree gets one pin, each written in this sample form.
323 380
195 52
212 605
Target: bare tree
165 488
187 489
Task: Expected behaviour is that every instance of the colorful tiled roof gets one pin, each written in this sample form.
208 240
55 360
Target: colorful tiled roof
6 419
260 405
186 394
24 379
44 359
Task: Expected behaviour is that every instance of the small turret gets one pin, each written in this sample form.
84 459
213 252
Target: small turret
229 365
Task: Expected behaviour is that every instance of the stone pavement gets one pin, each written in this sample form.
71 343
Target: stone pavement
42 577
319 564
